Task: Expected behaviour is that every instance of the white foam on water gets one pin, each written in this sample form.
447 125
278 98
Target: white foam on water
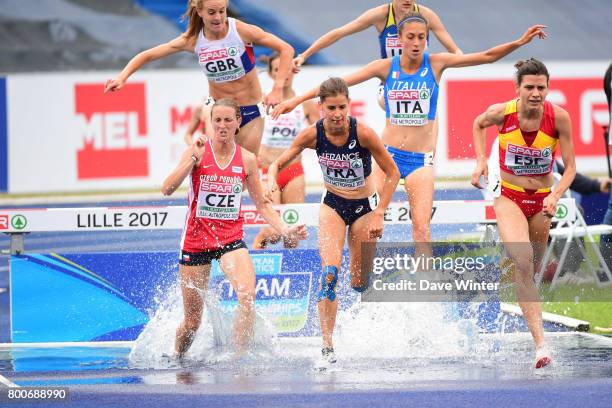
407 331
154 348
404 332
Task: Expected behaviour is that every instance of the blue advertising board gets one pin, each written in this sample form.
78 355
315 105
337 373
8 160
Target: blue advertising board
111 296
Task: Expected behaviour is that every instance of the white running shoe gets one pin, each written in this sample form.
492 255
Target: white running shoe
328 357
543 357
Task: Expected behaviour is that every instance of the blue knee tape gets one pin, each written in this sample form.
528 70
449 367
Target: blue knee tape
360 289
328 289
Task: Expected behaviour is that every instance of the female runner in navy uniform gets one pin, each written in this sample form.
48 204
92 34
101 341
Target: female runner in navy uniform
345 149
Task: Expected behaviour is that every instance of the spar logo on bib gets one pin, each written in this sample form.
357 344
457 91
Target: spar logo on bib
524 160
409 107
113 129
214 55
237 188
393 42
393 46
356 164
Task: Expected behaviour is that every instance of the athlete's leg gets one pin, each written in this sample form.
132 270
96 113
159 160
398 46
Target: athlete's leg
379 176
360 255
193 284
238 269
332 231
419 187
249 136
514 232
294 192
539 230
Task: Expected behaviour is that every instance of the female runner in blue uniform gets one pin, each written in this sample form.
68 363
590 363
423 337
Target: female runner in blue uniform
345 149
383 18
224 49
411 92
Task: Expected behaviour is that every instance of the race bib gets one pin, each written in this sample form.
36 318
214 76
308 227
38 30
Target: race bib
408 108
343 173
222 65
219 200
393 47
281 132
528 161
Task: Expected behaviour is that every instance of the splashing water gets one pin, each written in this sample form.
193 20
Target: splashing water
408 331
154 348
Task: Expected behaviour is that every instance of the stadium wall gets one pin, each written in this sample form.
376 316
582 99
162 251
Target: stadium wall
65 134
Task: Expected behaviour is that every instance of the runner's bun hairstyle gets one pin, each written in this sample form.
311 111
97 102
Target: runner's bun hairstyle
531 66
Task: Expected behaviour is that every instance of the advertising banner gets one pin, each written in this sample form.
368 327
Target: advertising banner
83 139
111 296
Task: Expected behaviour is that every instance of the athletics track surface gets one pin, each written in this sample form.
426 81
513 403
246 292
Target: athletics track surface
582 373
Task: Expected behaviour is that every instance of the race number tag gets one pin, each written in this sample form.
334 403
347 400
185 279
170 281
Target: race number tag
393 47
343 173
219 200
222 65
528 161
281 132
408 108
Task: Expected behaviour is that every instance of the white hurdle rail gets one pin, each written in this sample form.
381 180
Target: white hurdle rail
19 221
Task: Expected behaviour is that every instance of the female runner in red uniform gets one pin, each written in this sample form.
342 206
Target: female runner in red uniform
218 169
529 130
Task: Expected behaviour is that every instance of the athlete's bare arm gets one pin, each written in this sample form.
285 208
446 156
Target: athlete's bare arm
180 43
370 140
376 69
264 207
493 116
440 62
563 124
436 26
254 34
311 111
190 158
194 124
369 18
